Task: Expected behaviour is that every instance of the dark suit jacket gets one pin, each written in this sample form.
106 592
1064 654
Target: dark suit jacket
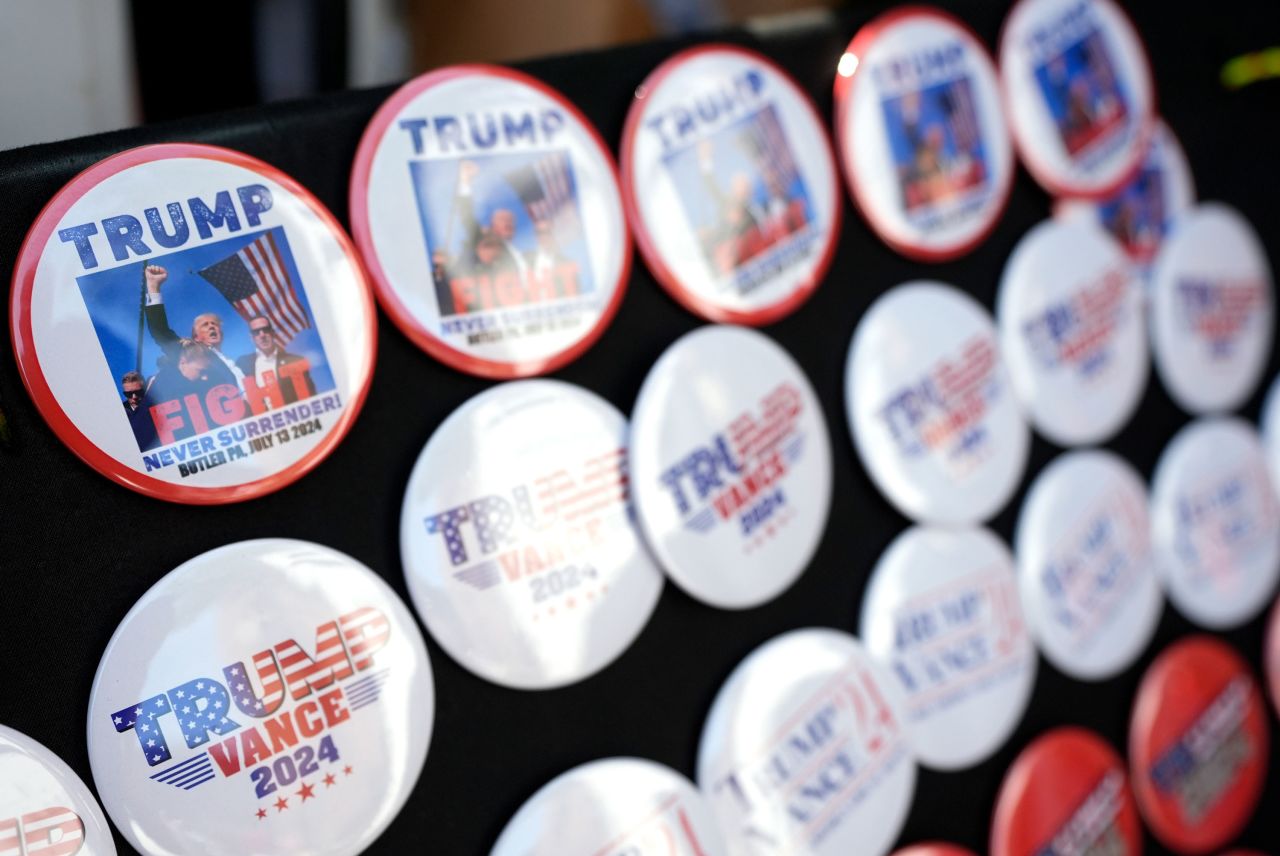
246 365
162 333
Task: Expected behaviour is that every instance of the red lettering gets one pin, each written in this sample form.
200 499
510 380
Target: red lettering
280 731
295 374
258 395
226 756
462 290
365 631
166 422
255 748
225 404
334 712
510 562
507 289
198 422
307 715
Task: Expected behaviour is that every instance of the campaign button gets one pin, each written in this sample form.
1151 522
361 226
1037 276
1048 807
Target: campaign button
730 185
192 323
1080 94
731 466
487 210
270 696
1073 331
922 133
941 614
1272 656
1141 213
45 810
934 849
930 406
1085 569
1198 745
619 806
1212 308
518 539
805 748
1215 523
1066 793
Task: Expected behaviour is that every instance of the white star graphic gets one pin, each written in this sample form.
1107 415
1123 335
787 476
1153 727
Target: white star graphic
151 742
239 688
159 702
146 727
137 711
117 720
155 757
235 671
200 685
186 709
218 705
258 705
181 694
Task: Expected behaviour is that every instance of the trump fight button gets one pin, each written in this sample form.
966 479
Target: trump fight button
487 209
1085 568
922 134
518 538
45 810
730 184
930 406
1198 745
1215 523
1080 94
270 696
1212 308
614 807
731 466
1073 332
1141 213
192 323
1066 793
805 748
941 613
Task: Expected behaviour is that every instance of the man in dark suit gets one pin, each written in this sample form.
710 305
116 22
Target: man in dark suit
135 407
205 329
290 371
502 225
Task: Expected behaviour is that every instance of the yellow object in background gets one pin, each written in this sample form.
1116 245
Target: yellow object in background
1250 68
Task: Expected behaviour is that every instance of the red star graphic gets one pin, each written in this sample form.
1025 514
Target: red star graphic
346 771
328 780
281 804
307 791
262 814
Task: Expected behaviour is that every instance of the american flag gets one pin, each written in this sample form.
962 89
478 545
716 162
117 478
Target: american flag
54 831
256 282
957 104
546 189
766 145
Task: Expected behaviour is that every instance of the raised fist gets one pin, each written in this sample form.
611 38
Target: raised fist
155 277
467 171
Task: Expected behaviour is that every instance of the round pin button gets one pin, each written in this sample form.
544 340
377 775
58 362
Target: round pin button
730 465
941 614
934 849
1141 213
270 696
45 810
1215 525
1085 569
730 184
487 209
518 540
1198 745
1272 656
1080 94
1072 331
1211 310
614 806
922 134
805 748
1066 793
930 407
192 323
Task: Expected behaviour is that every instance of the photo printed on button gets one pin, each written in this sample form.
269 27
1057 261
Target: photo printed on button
270 696
1080 94
614 807
730 184
192 323
518 536
1073 331
921 133
930 406
731 466
487 209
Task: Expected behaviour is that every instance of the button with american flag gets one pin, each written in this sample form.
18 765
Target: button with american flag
614 806
193 323
518 536
731 466
487 209
270 696
730 184
922 134
45 808
931 409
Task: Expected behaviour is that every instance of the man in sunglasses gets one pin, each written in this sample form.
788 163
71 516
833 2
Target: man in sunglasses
269 356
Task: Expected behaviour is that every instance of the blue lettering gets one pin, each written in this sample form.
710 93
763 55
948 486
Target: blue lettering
180 229
124 233
223 213
79 235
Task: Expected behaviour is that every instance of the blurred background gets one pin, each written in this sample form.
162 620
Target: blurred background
75 67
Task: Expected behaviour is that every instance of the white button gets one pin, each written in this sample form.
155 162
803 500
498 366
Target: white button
519 546
614 807
731 466
270 696
805 748
730 184
1073 332
1085 567
930 406
1215 527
